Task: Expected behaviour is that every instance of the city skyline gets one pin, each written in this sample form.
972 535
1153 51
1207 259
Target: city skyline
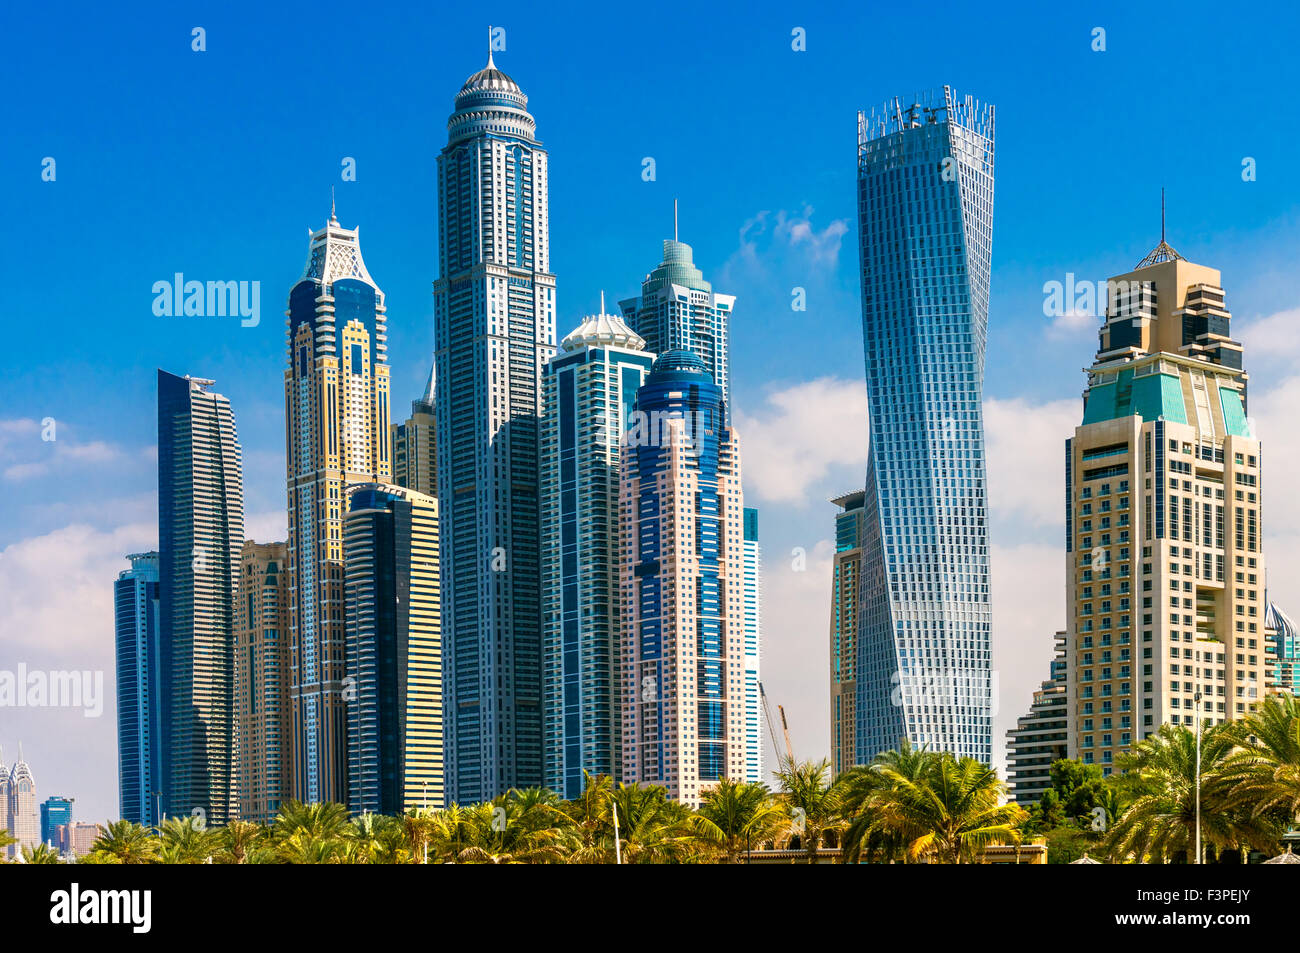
1140 230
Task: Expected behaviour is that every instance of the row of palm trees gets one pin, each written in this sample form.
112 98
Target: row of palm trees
1249 787
908 806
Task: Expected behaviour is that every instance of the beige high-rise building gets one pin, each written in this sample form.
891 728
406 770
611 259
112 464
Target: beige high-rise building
415 446
846 575
1165 577
262 681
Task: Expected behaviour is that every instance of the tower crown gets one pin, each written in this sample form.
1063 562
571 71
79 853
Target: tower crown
490 102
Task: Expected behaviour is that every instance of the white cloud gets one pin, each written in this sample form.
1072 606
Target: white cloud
1271 337
23 439
766 232
1073 324
1025 450
796 644
801 434
269 527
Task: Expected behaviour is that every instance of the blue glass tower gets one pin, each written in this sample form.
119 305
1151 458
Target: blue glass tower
200 534
925 222
494 331
683 585
54 811
139 691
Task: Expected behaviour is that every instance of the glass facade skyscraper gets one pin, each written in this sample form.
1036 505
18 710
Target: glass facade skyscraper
683 585
590 391
200 534
494 331
925 221
679 310
753 648
140 739
394 651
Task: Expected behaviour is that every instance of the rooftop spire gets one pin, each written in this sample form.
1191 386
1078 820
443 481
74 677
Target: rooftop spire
602 300
334 219
674 220
490 65
1164 251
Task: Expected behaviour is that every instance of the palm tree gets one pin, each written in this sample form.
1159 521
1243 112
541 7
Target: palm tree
41 854
591 813
811 800
125 842
954 806
651 828
1264 773
1160 823
735 815
184 841
238 840
310 833
875 827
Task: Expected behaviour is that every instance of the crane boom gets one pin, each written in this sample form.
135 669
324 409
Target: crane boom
771 727
785 727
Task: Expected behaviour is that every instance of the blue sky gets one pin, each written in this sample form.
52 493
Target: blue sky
216 163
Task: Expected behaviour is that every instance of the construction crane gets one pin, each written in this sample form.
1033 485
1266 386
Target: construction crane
771 726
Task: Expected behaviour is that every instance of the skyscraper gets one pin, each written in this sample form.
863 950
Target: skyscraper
141 735
925 223
1163 518
6 822
753 561
200 532
415 446
494 331
262 681
24 820
54 811
396 760
1039 738
846 575
683 585
1285 636
679 310
337 414
590 394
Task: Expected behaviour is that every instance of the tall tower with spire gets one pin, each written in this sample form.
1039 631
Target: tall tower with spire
679 310
494 331
24 814
336 394
1164 516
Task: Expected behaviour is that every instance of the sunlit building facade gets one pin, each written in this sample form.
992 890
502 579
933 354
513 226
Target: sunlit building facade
494 332
590 396
846 575
1163 518
200 534
337 399
263 739
683 583
396 757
